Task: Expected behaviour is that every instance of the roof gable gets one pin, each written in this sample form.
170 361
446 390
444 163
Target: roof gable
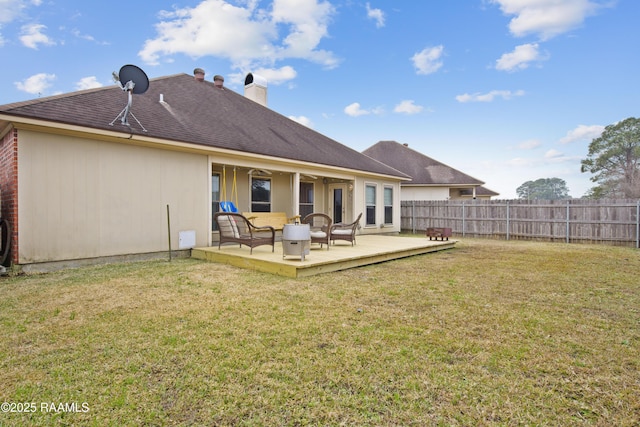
197 112
422 169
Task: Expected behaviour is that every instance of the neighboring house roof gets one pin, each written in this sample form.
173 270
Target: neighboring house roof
479 192
422 169
197 112
484 191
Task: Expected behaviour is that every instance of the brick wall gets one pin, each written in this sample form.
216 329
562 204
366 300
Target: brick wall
9 188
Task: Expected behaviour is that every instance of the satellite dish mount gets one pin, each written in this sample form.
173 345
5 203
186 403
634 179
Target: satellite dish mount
132 80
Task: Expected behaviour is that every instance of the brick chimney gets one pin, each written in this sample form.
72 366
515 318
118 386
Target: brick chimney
255 88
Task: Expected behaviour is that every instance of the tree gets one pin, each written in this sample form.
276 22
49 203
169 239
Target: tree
543 188
614 159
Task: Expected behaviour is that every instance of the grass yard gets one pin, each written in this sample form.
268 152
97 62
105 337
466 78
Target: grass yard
489 333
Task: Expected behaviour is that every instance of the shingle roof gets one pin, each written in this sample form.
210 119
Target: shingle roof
484 191
422 169
199 113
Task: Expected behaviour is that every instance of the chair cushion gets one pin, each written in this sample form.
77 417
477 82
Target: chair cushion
342 232
318 234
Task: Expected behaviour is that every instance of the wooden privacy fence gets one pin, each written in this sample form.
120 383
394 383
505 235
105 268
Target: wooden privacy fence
615 222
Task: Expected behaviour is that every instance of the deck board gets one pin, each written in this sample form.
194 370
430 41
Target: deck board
370 249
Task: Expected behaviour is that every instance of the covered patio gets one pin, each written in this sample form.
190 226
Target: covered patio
370 249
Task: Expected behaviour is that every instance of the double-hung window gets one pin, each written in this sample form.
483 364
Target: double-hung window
370 202
388 205
306 199
260 195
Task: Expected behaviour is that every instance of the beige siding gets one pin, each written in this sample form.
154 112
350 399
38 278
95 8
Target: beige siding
82 198
425 193
359 205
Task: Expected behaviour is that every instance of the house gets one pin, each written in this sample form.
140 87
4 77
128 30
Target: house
81 182
430 179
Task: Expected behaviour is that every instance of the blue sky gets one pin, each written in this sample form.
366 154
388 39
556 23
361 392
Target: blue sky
506 91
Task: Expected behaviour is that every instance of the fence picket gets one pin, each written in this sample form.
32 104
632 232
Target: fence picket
614 222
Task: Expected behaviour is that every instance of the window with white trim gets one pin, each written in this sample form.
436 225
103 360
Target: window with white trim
370 204
388 205
260 195
306 199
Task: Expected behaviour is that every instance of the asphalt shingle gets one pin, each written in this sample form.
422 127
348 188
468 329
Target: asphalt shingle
197 112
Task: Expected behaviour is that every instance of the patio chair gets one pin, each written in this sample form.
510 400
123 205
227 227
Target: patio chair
320 225
235 228
346 232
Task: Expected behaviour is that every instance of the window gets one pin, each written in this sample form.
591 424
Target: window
306 199
388 205
260 195
370 202
215 198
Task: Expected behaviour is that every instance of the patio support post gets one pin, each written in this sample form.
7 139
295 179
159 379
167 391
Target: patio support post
296 194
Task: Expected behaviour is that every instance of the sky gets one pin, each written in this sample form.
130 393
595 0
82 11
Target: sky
506 91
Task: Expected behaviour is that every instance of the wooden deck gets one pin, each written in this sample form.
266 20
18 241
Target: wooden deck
370 249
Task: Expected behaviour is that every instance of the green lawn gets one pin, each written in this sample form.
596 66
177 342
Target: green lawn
488 333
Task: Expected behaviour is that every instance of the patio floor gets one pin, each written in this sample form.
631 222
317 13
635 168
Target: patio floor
370 249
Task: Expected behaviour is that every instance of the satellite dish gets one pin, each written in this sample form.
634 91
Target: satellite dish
131 73
132 80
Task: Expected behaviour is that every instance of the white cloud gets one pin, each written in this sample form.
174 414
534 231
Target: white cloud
529 144
354 110
582 132
489 96
79 35
35 84
10 10
88 83
520 162
246 35
377 15
32 36
520 58
427 61
408 107
277 76
552 154
302 120
546 18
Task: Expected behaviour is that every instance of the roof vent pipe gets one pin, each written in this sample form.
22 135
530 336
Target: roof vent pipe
255 88
198 74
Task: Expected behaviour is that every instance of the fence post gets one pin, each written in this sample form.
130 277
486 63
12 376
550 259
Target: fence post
508 221
463 218
413 216
568 221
